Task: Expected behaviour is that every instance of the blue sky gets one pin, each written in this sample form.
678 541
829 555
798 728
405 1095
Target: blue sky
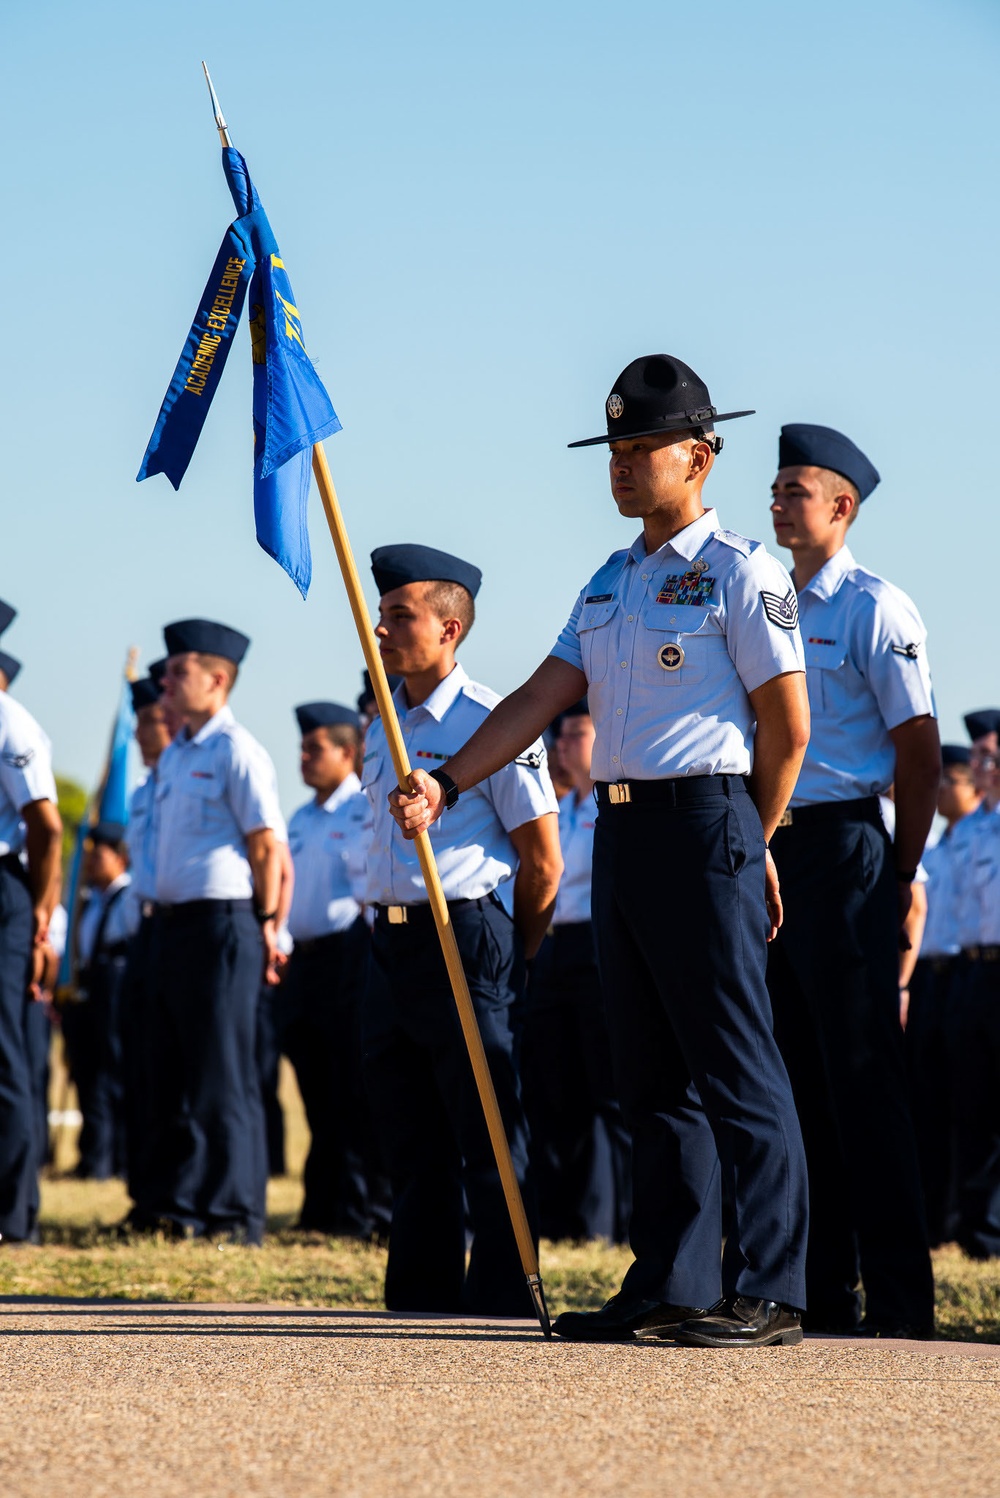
485 214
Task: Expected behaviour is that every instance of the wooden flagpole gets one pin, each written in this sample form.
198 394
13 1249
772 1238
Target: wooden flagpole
428 863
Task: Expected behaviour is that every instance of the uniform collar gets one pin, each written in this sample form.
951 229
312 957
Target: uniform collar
440 700
345 790
122 882
223 718
830 576
687 543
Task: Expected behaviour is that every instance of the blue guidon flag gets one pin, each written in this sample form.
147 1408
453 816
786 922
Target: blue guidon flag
291 409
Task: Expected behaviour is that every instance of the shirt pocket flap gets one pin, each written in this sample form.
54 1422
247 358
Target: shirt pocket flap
205 787
824 655
593 615
370 770
679 619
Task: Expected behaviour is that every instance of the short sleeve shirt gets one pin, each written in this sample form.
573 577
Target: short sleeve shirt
941 937
866 672
577 819
324 842
471 842
673 643
141 844
211 791
25 770
975 879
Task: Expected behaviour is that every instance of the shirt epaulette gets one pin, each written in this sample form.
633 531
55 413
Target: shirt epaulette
739 543
879 588
483 695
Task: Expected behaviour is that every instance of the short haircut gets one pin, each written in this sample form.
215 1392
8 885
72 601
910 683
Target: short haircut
835 483
452 601
219 663
341 735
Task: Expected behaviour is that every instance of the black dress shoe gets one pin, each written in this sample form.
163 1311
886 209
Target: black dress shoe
738 1321
903 1330
620 1319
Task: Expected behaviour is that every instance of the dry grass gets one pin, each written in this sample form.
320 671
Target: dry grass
80 1257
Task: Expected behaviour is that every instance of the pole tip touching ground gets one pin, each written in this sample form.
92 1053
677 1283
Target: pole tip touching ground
537 1293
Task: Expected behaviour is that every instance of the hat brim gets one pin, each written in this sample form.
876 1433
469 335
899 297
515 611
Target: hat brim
688 426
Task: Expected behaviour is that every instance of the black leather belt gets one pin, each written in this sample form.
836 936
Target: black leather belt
862 809
12 862
408 915
201 907
982 954
673 792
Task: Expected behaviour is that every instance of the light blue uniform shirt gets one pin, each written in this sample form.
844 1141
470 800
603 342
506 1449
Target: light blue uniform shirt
25 770
474 853
976 877
866 671
123 917
672 644
941 937
211 790
576 839
140 839
328 843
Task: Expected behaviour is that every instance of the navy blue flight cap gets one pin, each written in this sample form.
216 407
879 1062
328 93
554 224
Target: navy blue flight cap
979 724
157 671
801 444
10 666
205 637
657 394
7 615
108 834
395 566
145 693
312 715
955 754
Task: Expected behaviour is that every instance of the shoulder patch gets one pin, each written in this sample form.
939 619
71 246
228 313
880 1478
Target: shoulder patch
532 759
910 652
18 761
782 611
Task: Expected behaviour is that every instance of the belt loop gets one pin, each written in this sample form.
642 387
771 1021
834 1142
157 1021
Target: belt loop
727 781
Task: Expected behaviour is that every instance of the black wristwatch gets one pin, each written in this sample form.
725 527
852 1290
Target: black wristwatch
262 916
449 787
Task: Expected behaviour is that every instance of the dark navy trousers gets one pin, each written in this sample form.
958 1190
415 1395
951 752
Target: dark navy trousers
320 1033
92 1031
429 1117
580 1147
977 1112
20 1147
681 928
137 1075
929 1045
833 975
207 1167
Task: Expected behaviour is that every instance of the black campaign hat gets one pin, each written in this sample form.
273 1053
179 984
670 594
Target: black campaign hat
10 666
145 693
979 724
310 715
656 394
812 446
205 637
7 615
955 754
395 566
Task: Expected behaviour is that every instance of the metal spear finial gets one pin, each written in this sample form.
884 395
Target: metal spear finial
220 123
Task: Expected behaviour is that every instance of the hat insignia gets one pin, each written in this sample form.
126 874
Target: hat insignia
615 406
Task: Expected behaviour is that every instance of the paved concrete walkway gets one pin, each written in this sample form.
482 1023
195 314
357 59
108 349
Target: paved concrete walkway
109 1399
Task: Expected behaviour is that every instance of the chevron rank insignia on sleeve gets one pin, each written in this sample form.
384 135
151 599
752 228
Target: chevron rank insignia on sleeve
784 612
909 651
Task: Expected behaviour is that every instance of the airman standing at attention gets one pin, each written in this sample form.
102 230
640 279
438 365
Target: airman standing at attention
30 876
499 862
218 875
833 972
323 989
688 648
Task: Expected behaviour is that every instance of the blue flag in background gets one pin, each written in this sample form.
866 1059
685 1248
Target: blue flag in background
291 409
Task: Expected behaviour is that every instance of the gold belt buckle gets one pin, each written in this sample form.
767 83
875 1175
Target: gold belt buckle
785 820
397 915
619 793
